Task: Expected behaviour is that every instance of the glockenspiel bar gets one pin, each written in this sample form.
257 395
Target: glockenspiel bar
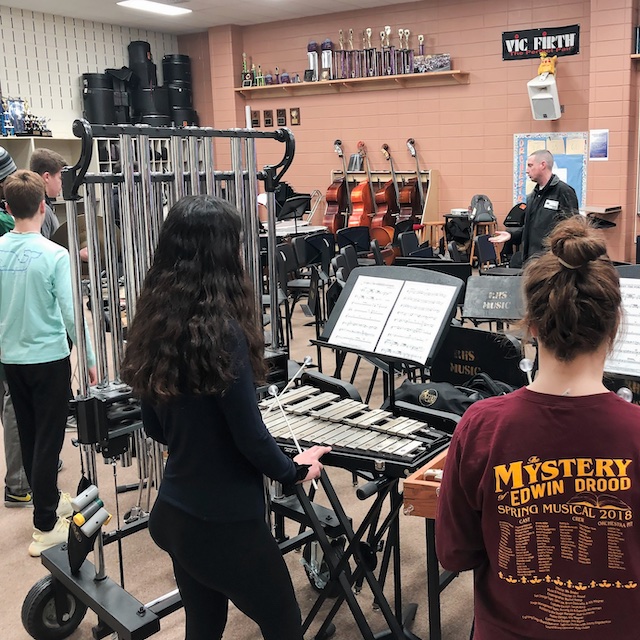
313 402
361 438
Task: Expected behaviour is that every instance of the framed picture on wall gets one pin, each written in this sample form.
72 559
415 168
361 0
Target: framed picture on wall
268 117
294 116
255 119
281 115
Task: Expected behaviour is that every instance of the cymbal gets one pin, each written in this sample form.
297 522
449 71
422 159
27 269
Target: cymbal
61 236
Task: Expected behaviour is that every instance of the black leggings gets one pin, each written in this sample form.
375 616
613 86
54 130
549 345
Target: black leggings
216 562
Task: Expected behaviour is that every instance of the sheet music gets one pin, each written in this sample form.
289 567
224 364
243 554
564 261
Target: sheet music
365 313
625 357
392 317
413 325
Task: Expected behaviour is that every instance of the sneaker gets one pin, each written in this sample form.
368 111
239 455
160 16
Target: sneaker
64 510
72 424
46 539
17 499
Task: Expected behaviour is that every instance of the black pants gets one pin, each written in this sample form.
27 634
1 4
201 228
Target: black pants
217 562
39 393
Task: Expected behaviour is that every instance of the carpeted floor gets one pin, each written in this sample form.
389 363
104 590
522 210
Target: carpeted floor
148 575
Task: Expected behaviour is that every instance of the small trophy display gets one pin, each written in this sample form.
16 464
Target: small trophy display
312 61
326 60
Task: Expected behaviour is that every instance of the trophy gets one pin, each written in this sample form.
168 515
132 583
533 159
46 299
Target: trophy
342 59
370 56
313 65
326 60
247 77
404 56
355 59
388 56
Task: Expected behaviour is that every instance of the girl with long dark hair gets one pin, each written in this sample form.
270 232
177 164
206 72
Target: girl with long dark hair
194 351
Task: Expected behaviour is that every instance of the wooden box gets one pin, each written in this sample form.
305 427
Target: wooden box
420 498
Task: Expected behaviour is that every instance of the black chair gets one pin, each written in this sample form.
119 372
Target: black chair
291 283
357 236
283 302
454 252
353 261
486 253
409 246
319 249
377 252
340 262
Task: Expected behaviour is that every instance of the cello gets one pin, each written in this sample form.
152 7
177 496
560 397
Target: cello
412 194
337 197
363 204
387 199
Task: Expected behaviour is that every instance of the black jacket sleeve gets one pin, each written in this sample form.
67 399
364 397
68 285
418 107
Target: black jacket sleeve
240 408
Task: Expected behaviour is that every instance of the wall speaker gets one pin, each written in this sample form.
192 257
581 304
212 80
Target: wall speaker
543 96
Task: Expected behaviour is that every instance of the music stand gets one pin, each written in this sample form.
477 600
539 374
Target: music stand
621 366
293 208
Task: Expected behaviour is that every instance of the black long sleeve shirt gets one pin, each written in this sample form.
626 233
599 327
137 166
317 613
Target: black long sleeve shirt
546 207
219 449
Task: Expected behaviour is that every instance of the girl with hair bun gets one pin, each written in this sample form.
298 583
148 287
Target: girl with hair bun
541 489
194 350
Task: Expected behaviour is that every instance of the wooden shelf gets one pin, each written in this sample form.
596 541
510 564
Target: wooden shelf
379 83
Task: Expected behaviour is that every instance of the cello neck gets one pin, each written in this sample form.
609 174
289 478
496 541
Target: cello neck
337 147
387 154
365 161
412 150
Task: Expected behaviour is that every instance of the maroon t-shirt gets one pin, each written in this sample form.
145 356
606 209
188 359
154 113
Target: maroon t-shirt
540 497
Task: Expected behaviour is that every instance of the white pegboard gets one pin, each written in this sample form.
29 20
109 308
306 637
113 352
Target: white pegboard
44 56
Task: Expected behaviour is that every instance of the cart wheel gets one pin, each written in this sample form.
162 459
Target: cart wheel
316 567
39 612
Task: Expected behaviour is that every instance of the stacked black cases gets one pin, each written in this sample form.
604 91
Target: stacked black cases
176 70
98 98
150 104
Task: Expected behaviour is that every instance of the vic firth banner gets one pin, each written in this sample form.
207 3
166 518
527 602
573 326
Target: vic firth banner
529 43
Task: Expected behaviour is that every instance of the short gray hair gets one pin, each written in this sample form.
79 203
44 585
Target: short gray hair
543 154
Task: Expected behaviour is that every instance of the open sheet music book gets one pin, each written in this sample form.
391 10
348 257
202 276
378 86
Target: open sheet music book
625 357
401 319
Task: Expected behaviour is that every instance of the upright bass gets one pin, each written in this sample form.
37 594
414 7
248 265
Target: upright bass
338 197
363 204
412 194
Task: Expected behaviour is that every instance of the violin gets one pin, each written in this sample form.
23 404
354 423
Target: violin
362 201
337 197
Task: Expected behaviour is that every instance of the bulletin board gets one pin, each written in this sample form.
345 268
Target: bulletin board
570 161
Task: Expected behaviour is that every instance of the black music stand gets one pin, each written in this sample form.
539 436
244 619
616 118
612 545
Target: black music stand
375 317
293 208
378 302
621 368
498 299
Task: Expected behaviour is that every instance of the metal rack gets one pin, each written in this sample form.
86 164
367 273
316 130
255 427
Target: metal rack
123 215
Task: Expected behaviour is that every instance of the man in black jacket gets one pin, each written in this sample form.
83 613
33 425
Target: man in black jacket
550 202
